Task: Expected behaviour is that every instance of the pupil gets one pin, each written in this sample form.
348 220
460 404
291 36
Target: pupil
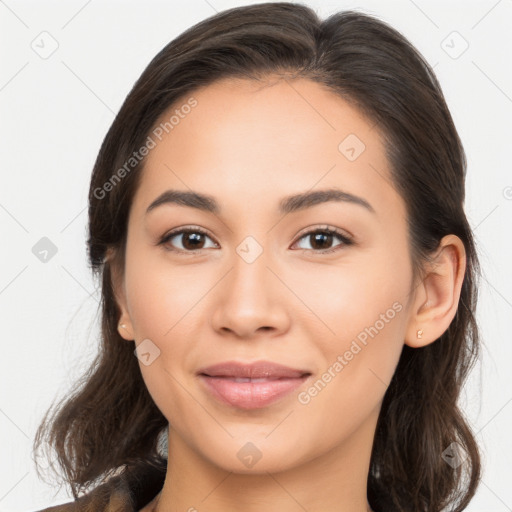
318 238
195 238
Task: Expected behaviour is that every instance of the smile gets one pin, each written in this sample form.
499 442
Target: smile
250 385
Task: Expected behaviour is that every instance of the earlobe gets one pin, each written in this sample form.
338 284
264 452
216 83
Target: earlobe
124 326
125 331
438 294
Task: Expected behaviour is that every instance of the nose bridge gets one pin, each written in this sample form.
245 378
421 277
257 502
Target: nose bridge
249 281
250 298
250 272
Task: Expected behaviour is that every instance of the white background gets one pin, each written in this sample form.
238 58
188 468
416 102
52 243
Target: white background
54 115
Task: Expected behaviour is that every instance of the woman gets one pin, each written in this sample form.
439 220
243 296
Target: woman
288 279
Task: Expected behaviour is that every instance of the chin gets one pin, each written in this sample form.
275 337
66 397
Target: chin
254 457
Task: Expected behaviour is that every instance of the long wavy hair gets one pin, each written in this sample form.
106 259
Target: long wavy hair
109 423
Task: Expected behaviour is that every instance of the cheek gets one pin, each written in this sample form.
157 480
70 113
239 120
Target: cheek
159 293
363 307
164 302
364 290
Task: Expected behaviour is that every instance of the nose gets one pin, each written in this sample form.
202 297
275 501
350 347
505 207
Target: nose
251 300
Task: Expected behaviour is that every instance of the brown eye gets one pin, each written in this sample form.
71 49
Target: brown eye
321 240
192 241
186 240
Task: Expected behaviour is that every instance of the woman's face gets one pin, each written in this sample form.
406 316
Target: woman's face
250 281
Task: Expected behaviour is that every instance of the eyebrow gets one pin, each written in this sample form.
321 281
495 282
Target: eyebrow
288 204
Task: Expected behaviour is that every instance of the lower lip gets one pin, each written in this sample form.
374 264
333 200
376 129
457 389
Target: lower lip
250 395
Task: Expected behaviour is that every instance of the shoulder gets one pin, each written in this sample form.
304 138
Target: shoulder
129 491
108 497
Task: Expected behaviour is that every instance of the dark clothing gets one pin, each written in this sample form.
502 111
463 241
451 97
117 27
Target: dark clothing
121 493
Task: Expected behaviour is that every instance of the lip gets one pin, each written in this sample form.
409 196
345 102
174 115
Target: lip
251 386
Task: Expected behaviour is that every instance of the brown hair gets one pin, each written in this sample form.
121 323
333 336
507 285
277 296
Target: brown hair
110 421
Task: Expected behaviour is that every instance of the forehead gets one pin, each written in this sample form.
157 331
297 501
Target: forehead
246 140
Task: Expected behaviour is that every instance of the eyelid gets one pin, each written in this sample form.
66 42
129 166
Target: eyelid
324 227
184 229
346 238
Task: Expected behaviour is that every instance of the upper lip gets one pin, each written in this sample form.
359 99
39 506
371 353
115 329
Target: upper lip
255 370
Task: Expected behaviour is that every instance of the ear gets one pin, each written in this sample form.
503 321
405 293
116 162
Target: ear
124 325
437 295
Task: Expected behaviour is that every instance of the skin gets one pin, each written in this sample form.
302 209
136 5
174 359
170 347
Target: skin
248 145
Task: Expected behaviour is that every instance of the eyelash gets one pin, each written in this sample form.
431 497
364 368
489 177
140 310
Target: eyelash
347 241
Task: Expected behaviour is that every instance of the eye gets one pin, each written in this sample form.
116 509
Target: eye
321 238
191 239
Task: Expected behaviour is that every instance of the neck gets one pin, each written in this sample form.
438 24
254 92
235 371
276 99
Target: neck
334 481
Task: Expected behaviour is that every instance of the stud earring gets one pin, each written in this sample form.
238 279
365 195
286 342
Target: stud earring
122 325
419 334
